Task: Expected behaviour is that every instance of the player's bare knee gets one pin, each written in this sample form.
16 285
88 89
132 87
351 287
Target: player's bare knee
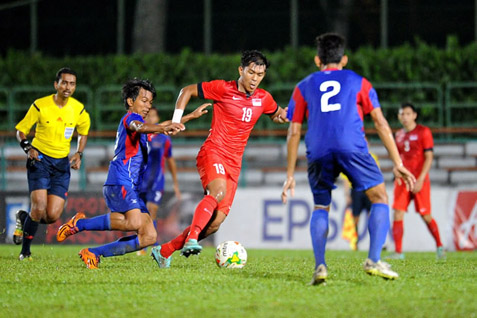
427 218
133 224
218 194
147 239
378 196
38 215
322 207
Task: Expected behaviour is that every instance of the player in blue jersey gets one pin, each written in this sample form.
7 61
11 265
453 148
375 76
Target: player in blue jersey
128 211
334 100
152 188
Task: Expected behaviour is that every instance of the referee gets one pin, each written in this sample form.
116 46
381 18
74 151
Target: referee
56 116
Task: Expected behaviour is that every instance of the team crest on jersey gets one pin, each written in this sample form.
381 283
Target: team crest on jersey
256 102
69 132
413 137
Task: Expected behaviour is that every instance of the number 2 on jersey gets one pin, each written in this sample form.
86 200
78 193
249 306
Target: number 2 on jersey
325 98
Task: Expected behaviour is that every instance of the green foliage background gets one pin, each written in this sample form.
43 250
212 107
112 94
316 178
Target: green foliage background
399 74
411 62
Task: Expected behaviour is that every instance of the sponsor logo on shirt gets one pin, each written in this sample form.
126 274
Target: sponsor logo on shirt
236 98
256 102
69 132
413 137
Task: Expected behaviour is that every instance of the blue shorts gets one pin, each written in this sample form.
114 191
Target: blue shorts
154 196
359 202
360 168
120 198
50 173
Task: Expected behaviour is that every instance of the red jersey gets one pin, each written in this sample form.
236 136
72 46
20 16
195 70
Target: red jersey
234 115
411 146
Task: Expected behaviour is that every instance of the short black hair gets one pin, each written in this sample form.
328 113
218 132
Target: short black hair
408 105
254 56
330 47
132 87
64 70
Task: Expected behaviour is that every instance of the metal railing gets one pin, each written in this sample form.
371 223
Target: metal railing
451 105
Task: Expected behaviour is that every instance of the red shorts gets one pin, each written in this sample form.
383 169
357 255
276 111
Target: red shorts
212 166
422 199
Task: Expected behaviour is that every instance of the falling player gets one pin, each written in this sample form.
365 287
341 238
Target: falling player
126 170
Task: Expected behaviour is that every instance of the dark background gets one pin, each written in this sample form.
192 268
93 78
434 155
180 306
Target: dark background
89 27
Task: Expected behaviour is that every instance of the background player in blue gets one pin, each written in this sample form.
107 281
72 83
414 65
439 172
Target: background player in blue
335 101
159 151
128 211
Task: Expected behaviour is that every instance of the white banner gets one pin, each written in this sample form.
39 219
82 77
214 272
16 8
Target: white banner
258 219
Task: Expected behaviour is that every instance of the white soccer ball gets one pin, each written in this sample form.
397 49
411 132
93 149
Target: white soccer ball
230 254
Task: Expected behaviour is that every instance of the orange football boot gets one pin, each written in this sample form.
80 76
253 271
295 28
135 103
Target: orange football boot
69 228
90 259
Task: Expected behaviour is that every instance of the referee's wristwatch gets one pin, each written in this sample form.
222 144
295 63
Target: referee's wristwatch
80 153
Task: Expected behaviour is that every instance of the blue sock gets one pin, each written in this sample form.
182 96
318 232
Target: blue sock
319 235
98 223
126 244
378 226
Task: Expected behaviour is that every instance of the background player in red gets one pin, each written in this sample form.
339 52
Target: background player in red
238 105
415 145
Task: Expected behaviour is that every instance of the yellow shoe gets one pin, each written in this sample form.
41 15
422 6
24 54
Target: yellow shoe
69 228
18 234
320 275
90 259
23 257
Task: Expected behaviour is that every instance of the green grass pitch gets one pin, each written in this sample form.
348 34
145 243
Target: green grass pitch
273 284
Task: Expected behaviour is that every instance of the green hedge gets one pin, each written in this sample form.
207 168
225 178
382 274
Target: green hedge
418 62
388 69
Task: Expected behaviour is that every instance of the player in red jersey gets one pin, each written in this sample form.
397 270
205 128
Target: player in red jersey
415 145
237 107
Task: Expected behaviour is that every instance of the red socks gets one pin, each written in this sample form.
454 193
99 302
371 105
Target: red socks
202 215
175 244
398 231
432 226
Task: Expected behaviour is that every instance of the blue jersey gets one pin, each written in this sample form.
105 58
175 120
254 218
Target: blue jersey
130 155
334 102
159 148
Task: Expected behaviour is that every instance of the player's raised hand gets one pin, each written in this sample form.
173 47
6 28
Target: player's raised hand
289 184
402 174
173 128
201 110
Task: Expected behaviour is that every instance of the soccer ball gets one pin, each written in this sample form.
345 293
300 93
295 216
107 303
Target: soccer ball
230 254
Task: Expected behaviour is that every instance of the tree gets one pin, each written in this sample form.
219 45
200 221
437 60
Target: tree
149 33
337 14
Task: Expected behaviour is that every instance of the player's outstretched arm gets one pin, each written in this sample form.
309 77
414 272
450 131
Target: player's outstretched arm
167 127
293 140
386 136
198 112
280 116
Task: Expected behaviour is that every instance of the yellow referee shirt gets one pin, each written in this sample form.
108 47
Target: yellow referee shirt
55 125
